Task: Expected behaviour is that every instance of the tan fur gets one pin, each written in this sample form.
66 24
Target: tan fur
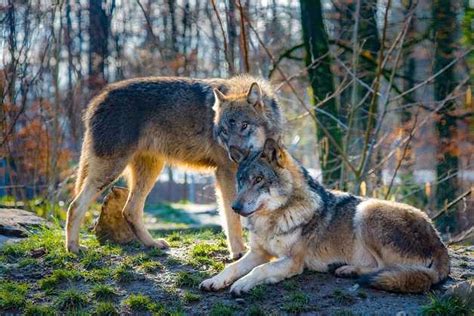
181 134
390 246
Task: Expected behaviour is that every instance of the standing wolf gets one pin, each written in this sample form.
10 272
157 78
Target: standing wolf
294 220
141 124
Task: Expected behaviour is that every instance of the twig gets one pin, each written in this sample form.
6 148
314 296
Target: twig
451 204
226 48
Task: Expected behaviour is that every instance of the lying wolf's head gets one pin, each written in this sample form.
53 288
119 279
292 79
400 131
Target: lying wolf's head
263 180
243 121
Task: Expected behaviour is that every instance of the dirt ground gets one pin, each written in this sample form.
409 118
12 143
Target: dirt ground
130 280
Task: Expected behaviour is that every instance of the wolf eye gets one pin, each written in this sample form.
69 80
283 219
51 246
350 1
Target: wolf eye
244 125
258 179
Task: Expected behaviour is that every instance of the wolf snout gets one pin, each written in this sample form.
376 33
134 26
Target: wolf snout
237 154
237 207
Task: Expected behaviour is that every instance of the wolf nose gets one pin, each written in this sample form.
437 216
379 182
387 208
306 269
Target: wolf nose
237 207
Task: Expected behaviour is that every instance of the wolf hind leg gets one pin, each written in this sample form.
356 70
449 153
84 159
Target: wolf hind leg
225 191
100 173
144 170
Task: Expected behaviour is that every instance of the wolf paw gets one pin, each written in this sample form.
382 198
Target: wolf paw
213 284
236 256
160 244
347 271
75 248
241 287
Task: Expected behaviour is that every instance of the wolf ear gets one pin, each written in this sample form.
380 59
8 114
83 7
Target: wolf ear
273 152
254 95
236 154
219 95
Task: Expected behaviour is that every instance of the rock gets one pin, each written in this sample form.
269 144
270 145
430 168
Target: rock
111 225
463 291
15 223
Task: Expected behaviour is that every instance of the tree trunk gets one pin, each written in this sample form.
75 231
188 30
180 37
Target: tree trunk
445 31
98 39
322 83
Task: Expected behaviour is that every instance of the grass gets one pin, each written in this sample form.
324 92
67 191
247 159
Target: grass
103 292
188 279
189 297
39 310
123 273
221 309
140 303
58 277
70 300
343 298
151 266
296 302
445 306
203 255
12 294
257 293
105 309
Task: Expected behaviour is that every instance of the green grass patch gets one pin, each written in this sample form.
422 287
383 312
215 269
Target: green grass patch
296 302
342 297
202 255
103 292
151 266
12 294
105 309
446 306
188 279
98 275
257 293
92 260
39 310
141 303
123 273
221 309
256 310
58 277
26 262
189 297
70 300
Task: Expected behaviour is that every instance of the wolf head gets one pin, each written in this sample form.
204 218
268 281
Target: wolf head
264 181
243 121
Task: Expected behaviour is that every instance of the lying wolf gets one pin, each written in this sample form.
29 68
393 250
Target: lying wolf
141 124
294 220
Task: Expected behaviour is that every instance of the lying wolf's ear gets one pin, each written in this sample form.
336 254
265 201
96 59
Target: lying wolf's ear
273 152
254 95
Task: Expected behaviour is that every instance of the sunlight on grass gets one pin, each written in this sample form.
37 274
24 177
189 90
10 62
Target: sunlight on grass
12 294
446 306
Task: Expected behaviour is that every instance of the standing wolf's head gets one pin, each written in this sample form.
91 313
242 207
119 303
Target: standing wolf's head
243 121
264 180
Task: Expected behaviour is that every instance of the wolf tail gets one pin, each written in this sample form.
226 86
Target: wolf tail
411 278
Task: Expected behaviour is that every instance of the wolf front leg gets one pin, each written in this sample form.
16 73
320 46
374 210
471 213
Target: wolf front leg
271 272
225 191
235 270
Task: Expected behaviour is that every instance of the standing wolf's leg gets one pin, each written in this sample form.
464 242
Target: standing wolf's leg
144 169
225 192
100 173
